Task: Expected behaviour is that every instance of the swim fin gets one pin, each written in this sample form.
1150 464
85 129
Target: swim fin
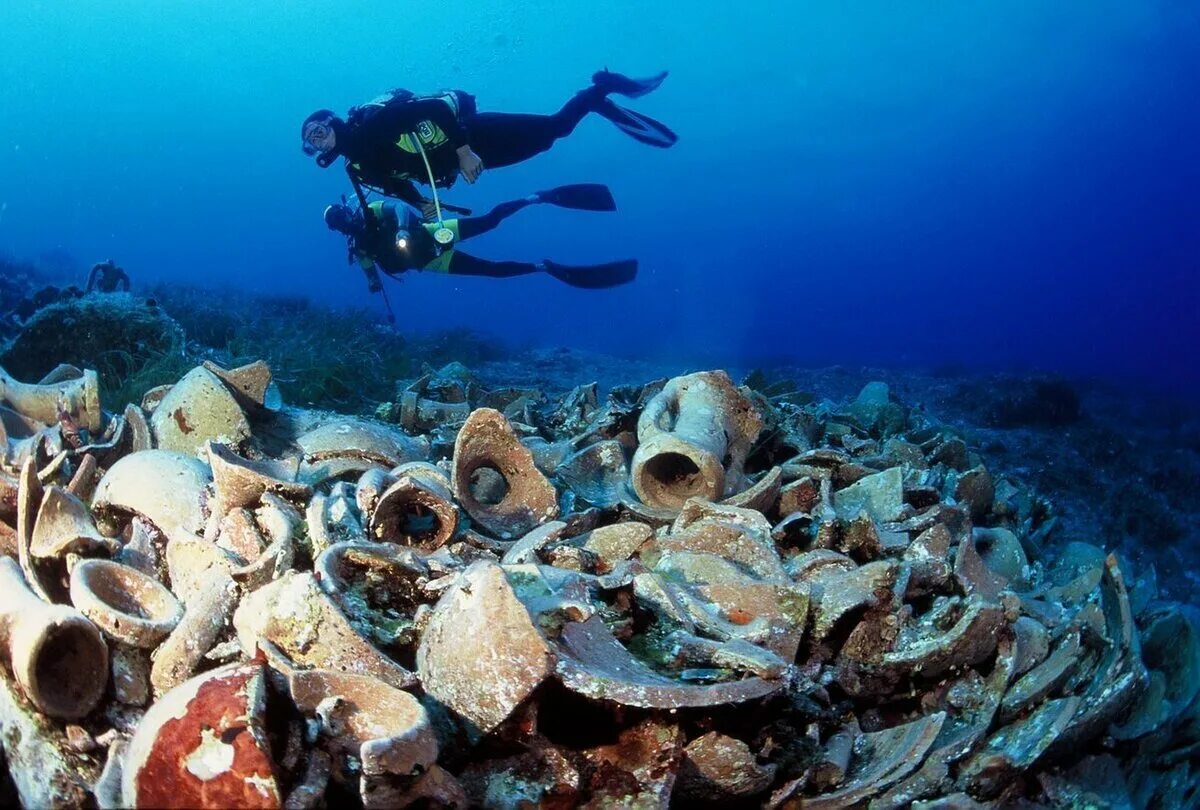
580 196
594 276
637 126
626 86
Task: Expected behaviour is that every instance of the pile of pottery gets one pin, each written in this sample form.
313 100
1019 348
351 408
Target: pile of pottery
692 592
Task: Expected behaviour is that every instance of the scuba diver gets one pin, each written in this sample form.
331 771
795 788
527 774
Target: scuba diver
107 277
400 138
395 240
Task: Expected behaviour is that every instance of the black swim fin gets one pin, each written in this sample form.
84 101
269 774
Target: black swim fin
580 196
626 86
637 126
594 276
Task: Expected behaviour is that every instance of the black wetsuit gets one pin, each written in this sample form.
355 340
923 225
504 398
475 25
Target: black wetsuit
379 145
107 277
377 245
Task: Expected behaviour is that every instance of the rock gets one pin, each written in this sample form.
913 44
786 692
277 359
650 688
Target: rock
481 654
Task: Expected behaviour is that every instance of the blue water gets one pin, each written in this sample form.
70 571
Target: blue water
996 185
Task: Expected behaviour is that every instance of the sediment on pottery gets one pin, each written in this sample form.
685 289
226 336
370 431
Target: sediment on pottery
693 439
78 397
58 657
495 479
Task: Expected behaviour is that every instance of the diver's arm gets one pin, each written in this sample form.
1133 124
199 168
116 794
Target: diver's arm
122 280
92 277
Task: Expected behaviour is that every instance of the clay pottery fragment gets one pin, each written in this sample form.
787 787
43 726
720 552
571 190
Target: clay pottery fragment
138 428
416 510
384 728
929 558
191 562
378 583
204 744
526 549
84 480
204 619
838 592
330 520
742 536
198 409
277 519
152 398
617 542
1033 643
78 397
352 446
801 495
592 663
880 760
693 439
598 473
307 626
420 415
166 488
720 768
58 657
811 566
129 606
1120 675
880 496
370 486
761 497
240 482
1016 748
481 654
239 535
990 561
251 384
495 479
29 499
64 526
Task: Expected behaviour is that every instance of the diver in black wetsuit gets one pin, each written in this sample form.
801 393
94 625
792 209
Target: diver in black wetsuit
395 240
392 142
107 277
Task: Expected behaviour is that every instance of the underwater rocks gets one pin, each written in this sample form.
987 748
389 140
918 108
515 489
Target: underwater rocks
834 605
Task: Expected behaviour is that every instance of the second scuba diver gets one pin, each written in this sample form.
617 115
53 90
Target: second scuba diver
392 239
401 138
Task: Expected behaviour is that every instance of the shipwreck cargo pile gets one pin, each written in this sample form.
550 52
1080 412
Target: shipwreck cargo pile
685 592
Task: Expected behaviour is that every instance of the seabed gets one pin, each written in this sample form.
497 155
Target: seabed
253 565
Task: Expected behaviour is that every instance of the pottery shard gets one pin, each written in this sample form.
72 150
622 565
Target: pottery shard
198 408
638 770
298 618
716 767
204 744
591 662
880 760
487 442
387 729
880 495
166 488
481 654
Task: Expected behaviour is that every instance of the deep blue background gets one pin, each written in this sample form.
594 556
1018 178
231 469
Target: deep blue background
988 184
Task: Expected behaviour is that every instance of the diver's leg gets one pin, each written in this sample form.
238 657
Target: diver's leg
463 264
474 226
